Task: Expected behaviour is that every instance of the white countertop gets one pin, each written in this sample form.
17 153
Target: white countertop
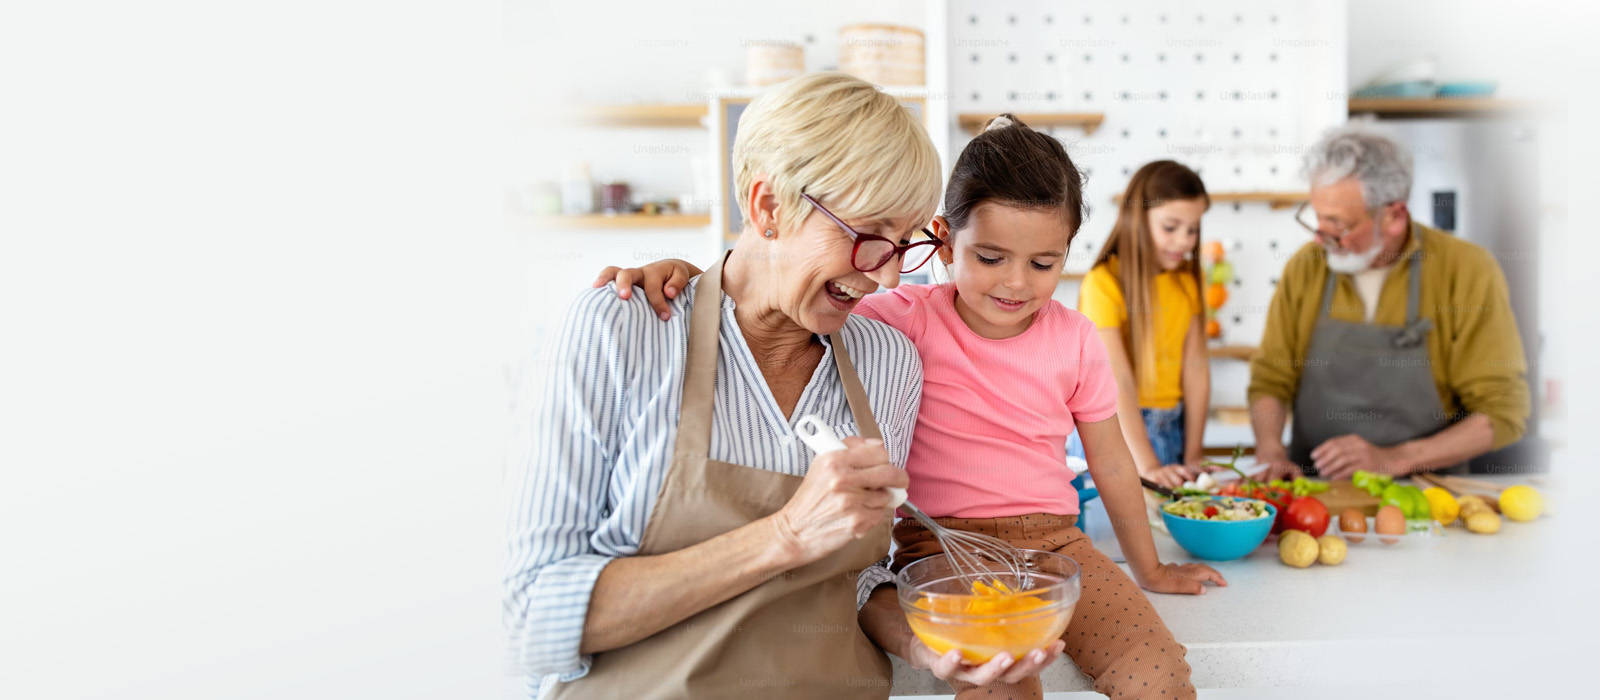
1389 616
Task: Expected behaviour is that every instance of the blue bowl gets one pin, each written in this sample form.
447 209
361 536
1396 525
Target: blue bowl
1221 540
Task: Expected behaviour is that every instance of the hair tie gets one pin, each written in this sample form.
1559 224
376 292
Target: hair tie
999 122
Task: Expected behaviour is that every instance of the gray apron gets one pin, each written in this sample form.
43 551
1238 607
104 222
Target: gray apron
1374 381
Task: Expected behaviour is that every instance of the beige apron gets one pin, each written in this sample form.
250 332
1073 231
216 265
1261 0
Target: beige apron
794 636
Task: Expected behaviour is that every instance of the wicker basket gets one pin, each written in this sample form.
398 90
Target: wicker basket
769 62
882 53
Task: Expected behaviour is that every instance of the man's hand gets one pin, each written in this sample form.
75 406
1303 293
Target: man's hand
1275 465
1342 456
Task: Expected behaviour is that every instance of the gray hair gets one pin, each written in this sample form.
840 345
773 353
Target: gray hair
1382 165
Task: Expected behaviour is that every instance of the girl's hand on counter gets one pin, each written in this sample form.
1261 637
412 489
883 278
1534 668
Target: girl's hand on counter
1002 668
661 280
1180 578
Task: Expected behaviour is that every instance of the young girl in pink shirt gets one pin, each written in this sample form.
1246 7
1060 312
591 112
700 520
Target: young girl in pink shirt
1008 374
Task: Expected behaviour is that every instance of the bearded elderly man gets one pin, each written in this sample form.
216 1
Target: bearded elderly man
1393 342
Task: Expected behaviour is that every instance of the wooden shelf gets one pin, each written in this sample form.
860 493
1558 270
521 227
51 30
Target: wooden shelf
667 115
613 221
1401 107
1275 200
1233 352
1073 276
1088 121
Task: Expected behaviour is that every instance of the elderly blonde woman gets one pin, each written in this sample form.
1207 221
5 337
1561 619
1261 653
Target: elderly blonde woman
670 535
1393 342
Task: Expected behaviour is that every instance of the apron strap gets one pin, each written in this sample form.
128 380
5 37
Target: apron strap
854 393
1414 295
1416 329
1327 294
700 373
700 369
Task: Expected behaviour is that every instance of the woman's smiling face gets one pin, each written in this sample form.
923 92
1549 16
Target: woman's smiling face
1006 264
819 285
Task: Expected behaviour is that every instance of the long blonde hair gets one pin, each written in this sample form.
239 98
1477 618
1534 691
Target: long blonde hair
1132 245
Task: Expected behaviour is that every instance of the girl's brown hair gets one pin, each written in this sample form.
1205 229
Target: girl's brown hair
1012 164
1131 243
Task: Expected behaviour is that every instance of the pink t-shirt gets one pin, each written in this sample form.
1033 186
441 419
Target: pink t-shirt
992 431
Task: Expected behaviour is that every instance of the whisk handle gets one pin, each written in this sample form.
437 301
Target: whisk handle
821 438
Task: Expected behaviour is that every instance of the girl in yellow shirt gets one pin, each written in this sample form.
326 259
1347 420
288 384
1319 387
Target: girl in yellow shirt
1143 295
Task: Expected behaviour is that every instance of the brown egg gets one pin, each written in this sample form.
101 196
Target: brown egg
1391 521
1351 520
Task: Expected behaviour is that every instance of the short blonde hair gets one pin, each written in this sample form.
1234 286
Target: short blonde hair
841 140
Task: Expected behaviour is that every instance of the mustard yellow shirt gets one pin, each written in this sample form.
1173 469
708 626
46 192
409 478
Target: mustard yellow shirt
1475 352
1175 304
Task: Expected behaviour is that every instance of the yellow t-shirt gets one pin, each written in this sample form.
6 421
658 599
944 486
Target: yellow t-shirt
1176 302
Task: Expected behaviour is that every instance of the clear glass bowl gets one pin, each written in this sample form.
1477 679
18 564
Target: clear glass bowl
945 614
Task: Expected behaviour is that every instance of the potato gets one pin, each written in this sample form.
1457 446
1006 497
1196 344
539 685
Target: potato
1483 522
1330 550
1473 504
1297 549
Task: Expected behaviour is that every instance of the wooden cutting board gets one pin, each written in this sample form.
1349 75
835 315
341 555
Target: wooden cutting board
1343 494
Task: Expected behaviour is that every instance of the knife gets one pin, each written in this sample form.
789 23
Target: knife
1158 488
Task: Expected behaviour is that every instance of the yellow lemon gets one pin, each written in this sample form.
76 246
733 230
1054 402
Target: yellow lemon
1441 505
1521 503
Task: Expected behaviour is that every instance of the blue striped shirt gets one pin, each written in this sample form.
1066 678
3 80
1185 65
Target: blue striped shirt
587 465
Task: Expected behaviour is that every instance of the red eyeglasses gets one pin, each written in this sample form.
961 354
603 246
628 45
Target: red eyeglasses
872 252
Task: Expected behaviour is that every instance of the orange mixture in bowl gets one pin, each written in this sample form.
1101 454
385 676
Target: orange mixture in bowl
994 619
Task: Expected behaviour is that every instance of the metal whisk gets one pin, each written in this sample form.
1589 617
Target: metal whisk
973 557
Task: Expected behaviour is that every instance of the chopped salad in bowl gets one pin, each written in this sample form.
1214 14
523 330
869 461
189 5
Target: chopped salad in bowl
1217 508
1213 507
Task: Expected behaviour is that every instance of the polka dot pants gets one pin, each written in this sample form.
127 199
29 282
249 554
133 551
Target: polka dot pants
1115 636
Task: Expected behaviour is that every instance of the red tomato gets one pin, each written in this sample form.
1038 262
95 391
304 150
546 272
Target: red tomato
1309 515
1211 511
1280 523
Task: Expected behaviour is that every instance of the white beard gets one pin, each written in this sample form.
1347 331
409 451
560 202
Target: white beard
1351 263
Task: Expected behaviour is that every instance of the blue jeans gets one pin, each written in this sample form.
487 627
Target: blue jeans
1165 426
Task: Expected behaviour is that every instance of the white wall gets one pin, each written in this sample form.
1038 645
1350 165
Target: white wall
559 56
1233 89
254 300
1522 49
1513 45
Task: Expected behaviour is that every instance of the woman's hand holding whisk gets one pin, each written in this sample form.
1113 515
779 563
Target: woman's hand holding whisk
844 495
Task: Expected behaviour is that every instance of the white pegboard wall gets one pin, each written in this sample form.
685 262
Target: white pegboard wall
1233 89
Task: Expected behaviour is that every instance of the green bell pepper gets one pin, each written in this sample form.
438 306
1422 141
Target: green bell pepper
1408 499
1301 486
1374 484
